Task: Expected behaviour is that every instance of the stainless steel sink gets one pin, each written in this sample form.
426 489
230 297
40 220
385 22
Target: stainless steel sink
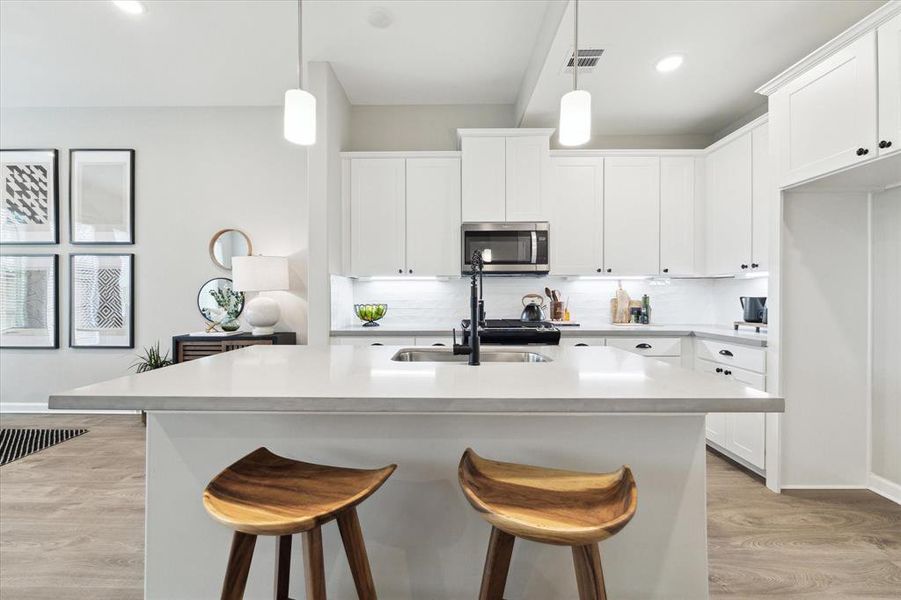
486 356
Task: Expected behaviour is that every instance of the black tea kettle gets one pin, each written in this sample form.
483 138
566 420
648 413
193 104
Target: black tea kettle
532 311
754 307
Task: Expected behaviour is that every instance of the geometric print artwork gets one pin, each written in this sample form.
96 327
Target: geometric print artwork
26 196
37 303
101 301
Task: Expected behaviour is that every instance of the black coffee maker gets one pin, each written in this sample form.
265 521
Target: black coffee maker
754 308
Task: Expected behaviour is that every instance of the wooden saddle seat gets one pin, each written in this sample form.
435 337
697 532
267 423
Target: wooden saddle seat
550 506
266 494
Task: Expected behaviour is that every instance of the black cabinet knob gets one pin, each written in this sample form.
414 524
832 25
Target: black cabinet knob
754 265
862 151
719 369
885 144
727 372
666 270
400 270
744 266
600 270
610 270
411 271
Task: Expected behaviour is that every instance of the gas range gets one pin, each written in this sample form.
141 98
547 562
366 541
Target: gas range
513 332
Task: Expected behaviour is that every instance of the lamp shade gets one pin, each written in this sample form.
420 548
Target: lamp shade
575 118
259 273
300 117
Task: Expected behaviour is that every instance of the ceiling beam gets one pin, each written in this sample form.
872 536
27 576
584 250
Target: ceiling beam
550 24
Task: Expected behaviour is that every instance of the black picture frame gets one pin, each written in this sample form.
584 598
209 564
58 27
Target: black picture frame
54 199
55 344
131 198
131 301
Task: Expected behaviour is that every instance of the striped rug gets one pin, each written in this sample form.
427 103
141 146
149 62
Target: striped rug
17 443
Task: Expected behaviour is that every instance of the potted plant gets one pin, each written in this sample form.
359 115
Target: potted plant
151 359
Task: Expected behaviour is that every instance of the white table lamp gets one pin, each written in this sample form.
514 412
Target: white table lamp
260 274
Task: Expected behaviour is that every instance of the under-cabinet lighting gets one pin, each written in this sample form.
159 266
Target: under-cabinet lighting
402 278
754 275
131 7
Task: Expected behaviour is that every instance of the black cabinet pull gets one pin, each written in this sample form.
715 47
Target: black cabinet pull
726 353
744 266
610 270
885 144
643 346
719 370
376 344
580 345
862 151
666 270
754 265
727 372
438 344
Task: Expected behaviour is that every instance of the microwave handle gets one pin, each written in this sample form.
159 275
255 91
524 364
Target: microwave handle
534 247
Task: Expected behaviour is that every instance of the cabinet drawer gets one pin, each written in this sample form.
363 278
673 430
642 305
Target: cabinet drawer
581 341
733 355
648 346
445 340
380 340
755 380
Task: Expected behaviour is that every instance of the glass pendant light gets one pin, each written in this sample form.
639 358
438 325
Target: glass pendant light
300 105
575 106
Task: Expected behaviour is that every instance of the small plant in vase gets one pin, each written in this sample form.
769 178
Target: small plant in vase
151 360
231 303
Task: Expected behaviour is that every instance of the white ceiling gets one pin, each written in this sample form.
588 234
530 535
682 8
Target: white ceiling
242 52
730 48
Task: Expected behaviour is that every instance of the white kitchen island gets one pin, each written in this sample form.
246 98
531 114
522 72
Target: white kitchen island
591 408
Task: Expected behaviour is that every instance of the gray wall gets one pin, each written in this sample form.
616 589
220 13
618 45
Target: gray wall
197 170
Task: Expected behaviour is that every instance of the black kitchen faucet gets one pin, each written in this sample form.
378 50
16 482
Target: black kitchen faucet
476 308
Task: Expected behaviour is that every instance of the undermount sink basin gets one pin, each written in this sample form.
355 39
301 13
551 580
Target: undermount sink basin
486 356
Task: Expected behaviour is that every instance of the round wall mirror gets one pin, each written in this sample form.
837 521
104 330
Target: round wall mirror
219 303
228 243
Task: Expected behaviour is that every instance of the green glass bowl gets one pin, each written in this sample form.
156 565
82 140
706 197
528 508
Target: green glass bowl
370 313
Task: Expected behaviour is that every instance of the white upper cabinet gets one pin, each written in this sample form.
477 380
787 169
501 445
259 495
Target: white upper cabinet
527 173
677 215
505 174
728 203
631 215
888 37
378 220
825 118
764 196
433 216
484 178
577 219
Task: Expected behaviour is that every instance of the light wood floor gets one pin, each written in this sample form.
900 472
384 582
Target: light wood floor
71 526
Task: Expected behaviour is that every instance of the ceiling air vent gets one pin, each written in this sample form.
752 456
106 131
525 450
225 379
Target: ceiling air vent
588 60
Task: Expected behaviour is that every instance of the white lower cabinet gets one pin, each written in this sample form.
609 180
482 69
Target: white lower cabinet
373 340
581 341
741 436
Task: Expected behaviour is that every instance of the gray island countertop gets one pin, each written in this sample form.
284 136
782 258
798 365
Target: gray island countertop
349 379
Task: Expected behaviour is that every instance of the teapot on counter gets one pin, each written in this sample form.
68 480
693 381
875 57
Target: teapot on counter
532 312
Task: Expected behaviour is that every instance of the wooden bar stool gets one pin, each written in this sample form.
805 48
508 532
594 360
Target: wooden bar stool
266 494
566 508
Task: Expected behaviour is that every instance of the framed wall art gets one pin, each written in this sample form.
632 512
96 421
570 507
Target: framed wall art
102 196
101 300
29 307
29 197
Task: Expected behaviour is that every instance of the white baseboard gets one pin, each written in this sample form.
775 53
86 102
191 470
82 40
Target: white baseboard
885 488
30 408
824 487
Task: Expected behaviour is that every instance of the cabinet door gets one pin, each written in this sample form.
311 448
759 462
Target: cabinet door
527 173
632 215
889 59
821 118
484 178
377 206
577 220
764 195
729 207
433 216
716 428
677 215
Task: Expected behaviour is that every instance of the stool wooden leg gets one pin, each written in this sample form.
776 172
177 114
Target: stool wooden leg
238 566
355 548
282 566
313 564
589 574
497 564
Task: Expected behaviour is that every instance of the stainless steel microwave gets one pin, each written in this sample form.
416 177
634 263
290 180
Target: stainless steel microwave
516 248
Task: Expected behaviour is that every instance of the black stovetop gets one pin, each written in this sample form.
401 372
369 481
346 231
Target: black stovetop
514 332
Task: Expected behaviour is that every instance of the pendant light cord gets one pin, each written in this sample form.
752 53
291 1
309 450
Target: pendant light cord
300 44
575 45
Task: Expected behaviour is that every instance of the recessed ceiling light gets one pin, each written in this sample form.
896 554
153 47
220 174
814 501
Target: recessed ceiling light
670 63
132 7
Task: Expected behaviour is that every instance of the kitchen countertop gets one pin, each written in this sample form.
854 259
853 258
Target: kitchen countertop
717 332
351 379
